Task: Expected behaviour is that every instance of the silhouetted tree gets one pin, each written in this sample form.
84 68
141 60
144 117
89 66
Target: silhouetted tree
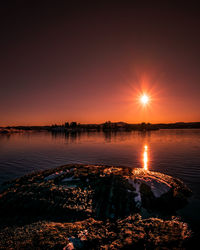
107 125
73 125
143 125
66 124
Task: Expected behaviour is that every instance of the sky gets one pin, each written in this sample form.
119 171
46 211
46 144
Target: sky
90 61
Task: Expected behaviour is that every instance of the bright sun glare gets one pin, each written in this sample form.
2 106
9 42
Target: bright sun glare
144 99
145 157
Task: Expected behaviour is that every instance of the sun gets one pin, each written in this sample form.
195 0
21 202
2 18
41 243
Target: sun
144 99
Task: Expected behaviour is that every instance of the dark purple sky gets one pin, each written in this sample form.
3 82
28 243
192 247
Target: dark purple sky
90 62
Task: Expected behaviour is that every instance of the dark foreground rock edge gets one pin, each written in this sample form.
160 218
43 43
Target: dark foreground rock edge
93 207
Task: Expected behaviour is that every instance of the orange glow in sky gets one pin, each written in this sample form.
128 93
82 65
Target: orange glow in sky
95 64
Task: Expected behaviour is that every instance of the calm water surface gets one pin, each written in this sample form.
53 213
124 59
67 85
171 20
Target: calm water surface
174 152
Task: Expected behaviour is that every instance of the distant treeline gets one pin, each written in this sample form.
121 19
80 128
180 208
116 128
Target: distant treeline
107 126
178 125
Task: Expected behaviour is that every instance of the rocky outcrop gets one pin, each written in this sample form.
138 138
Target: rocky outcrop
112 196
132 232
159 192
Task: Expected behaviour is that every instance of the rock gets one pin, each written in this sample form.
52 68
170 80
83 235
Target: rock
158 190
132 232
78 191
113 197
104 199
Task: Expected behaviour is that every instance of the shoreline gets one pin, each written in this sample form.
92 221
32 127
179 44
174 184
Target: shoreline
107 126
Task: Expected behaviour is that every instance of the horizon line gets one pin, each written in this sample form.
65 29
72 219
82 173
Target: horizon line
78 123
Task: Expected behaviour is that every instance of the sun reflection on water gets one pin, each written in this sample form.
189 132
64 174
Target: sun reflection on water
145 157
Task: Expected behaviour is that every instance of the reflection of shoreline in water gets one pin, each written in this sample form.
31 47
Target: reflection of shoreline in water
145 157
109 136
